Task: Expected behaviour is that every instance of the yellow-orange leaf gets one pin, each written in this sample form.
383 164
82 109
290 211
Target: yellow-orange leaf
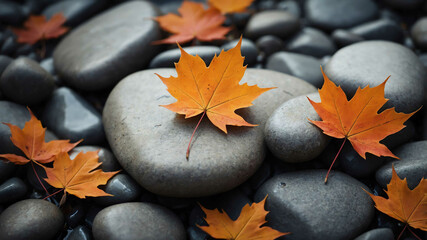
230 6
194 22
78 177
214 90
246 227
31 142
37 28
358 119
406 205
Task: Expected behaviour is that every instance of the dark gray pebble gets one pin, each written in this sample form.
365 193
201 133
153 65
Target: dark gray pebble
12 190
169 57
122 187
272 22
248 50
311 41
378 233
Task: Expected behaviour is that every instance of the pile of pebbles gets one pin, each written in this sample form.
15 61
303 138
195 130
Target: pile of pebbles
97 83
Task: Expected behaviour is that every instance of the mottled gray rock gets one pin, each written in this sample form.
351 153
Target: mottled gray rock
137 221
272 22
248 49
100 52
301 203
25 82
419 33
412 164
70 116
344 38
169 57
75 11
311 42
33 219
371 62
150 141
290 136
382 29
12 190
334 14
109 161
14 114
378 233
301 66
122 187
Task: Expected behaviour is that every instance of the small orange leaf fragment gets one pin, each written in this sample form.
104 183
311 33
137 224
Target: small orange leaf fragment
37 28
358 119
31 142
406 205
78 177
246 227
194 22
230 6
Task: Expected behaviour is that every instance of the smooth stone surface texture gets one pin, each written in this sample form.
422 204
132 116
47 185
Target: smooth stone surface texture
14 114
122 187
412 164
100 52
70 116
80 233
419 33
248 50
378 233
300 202
333 14
137 221
25 82
33 219
298 65
371 62
167 58
313 42
150 141
344 38
382 29
290 136
75 11
12 190
109 161
272 22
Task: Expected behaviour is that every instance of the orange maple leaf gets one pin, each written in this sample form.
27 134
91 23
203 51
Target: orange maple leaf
78 177
213 90
196 22
37 28
406 205
358 120
246 227
230 6
31 142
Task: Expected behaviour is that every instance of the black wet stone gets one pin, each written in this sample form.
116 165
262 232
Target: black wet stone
6 170
333 14
122 187
70 116
79 233
33 219
11 13
109 161
12 190
14 114
378 233
169 57
25 82
382 29
273 22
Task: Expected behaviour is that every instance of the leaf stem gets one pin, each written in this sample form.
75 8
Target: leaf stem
192 135
415 235
40 181
53 194
402 232
336 156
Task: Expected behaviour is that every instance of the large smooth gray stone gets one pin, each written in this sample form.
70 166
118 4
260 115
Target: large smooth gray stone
371 62
108 47
33 219
290 136
137 221
150 141
301 203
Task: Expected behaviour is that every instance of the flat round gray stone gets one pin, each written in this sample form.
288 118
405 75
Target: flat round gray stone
371 62
108 47
290 136
301 203
412 164
150 141
34 219
272 22
137 221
